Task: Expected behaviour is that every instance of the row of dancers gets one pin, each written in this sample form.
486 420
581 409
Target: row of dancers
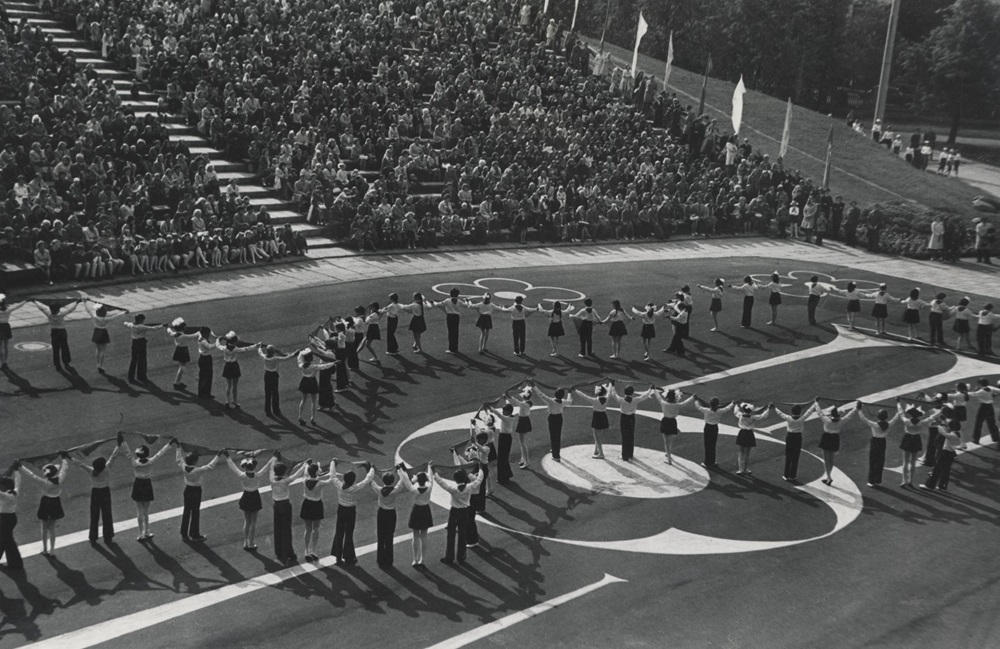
940 419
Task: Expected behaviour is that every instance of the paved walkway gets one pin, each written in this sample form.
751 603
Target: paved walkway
256 280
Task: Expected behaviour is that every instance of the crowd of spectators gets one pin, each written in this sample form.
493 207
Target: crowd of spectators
394 123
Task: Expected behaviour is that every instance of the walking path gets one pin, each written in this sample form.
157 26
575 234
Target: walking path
245 281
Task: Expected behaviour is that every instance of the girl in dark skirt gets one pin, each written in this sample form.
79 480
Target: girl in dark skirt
5 331
716 305
229 344
373 332
880 310
915 425
50 508
100 337
599 416
420 516
748 288
745 439
648 318
484 322
142 488
829 443
853 301
555 330
182 355
774 297
308 385
250 503
962 313
523 427
418 324
959 400
876 447
670 408
618 331
311 511
911 315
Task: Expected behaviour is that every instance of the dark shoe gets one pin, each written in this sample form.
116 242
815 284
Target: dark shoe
447 560
199 538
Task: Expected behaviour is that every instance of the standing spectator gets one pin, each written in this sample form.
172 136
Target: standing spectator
935 246
983 240
875 221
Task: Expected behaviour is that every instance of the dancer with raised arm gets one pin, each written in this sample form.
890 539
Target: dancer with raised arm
876 448
985 413
392 311
206 364
6 334
137 365
142 487
518 312
962 314
271 358
916 423
587 317
648 318
231 349
816 293
628 403
712 413
938 309
311 511
680 320
420 514
853 296
507 421
880 310
555 404
461 490
373 332
100 494
618 330
347 513
250 502
451 307
829 443
774 296
911 314
191 516
57 331
556 330
523 405
748 417
101 338
10 487
308 385
177 330
485 308
794 426
385 519
50 509
281 480
418 323
671 402
715 307
599 416
941 475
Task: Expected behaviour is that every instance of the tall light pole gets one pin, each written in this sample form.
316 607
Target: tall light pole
890 41
607 19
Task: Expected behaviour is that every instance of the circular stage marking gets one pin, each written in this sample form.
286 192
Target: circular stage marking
508 295
843 497
509 289
32 346
646 476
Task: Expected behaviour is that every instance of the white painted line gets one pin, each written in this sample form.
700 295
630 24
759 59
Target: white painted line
505 622
119 627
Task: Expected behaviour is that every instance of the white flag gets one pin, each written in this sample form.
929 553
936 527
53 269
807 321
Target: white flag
643 28
670 60
576 5
786 134
545 8
738 105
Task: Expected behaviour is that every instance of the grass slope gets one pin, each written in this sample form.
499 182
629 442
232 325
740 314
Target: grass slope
862 171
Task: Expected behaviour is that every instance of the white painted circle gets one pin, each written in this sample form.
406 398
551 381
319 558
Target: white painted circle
647 476
508 295
32 346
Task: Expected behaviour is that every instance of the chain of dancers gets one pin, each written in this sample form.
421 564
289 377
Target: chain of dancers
929 424
335 347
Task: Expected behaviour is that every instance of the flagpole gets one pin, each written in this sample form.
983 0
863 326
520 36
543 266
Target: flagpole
883 82
607 19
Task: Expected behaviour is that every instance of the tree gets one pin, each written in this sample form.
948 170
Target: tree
957 67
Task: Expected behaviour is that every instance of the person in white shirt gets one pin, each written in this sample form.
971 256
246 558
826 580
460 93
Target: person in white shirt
518 312
599 417
418 322
50 509
100 337
985 326
484 322
829 442
57 324
712 413
936 318
523 427
618 331
191 516
671 402
816 292
876 448
142 486
962 313
452 318
347 513
392 311
250 502
373 332
911 315
177 330
628 403
231 349
795 424
100 494
271 358
461 490
986 413
680 318
880 310
5 331
952 442
137 362
556 329
311 511
716 304
420 514
9 489
648 318
281 480
504 424
205 363
748 288
915 424
587 317
385 518
555 404
748 417
308 384
853 301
